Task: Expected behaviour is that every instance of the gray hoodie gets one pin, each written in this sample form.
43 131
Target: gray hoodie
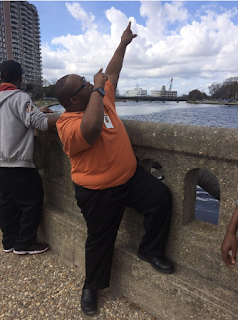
18 118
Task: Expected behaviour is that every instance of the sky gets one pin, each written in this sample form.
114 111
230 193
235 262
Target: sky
193 42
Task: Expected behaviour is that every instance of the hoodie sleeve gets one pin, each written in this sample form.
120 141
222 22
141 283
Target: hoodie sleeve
38 119
29 114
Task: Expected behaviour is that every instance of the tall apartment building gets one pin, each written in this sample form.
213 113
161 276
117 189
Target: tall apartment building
20 38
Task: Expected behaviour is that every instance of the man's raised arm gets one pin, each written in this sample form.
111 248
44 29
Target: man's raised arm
114 67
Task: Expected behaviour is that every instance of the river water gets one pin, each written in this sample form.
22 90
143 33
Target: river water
209 115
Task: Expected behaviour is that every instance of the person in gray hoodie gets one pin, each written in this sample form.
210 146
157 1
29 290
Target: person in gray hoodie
21 191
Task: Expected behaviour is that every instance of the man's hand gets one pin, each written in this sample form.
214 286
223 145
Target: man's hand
100 79
114 67
46 110
92 120
229 243
127 35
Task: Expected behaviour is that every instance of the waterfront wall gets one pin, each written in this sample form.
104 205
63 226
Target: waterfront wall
202 286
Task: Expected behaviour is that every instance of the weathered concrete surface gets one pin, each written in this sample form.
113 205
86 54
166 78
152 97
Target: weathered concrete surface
43 287
202 287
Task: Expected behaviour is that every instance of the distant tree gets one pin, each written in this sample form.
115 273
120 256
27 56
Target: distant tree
49 91
35 90
214 89
53 81
226 90
46 83
231 87
197 95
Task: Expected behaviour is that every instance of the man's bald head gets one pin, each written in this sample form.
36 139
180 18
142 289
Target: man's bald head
65 87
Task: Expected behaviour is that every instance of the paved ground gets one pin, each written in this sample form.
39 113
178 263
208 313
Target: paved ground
43 287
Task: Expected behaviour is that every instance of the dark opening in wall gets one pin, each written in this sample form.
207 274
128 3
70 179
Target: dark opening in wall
207 197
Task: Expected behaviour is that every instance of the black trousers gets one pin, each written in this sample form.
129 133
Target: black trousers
21 201
103 211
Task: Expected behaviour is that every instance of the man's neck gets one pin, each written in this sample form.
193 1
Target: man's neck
74 108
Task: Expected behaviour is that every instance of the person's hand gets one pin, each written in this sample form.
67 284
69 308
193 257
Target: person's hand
229 243
46 110
100 79
127 35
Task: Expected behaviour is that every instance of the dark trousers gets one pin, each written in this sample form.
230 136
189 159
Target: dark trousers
103 211
21 201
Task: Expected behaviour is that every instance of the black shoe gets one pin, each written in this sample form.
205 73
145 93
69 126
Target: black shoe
35 248
89 301
8 250
162 264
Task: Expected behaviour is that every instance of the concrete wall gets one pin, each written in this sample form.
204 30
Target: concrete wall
202 287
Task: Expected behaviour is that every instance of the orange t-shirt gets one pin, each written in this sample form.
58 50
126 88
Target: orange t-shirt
110 161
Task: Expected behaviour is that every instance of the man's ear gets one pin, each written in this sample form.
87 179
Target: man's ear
74 100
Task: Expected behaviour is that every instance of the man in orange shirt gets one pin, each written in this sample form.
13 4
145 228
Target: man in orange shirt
106 175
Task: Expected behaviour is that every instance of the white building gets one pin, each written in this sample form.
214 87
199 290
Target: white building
137 92
163 93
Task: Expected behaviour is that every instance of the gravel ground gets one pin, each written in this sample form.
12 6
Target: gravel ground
43 287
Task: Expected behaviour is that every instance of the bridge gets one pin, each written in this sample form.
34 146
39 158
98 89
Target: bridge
149 98
202 286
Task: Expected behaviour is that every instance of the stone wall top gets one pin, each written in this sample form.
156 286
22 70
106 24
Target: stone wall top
193 245
195 140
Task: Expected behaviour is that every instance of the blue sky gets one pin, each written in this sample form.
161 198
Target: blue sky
193 42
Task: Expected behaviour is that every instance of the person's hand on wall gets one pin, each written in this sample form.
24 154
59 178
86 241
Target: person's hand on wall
46 110
229 244
230 241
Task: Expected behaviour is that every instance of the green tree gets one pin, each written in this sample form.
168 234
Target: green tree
34 90
49 91
214 89
226 90
197 95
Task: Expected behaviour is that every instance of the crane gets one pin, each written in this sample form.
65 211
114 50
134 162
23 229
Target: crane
170 84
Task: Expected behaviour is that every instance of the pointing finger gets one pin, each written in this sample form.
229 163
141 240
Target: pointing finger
129 26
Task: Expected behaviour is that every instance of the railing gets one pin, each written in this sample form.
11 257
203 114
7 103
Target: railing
151 98
201 283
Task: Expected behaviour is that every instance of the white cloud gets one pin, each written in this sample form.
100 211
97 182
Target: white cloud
171 44
78 13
